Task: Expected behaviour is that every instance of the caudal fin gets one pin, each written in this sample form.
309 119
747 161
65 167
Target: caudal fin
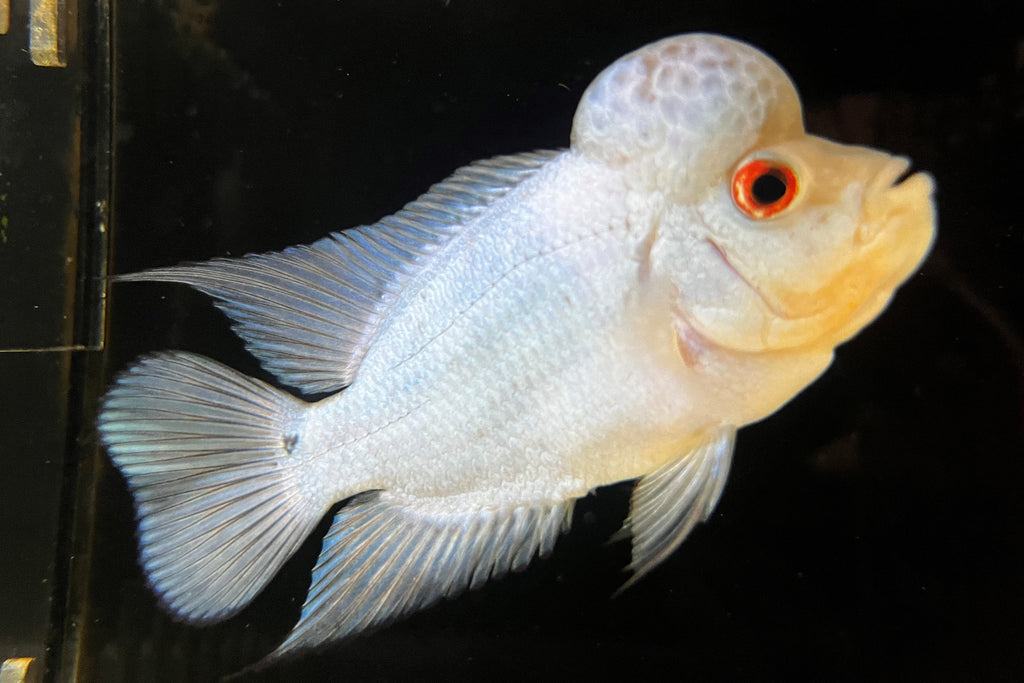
207 453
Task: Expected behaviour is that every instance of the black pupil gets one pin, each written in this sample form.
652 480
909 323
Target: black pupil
769 188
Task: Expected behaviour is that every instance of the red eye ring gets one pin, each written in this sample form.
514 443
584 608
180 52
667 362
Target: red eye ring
762 188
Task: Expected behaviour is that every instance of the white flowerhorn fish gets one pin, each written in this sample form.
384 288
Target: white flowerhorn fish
533 327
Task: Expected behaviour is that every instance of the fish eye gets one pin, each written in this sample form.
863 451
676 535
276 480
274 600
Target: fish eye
762 188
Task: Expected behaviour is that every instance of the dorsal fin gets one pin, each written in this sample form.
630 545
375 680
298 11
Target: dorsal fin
308 313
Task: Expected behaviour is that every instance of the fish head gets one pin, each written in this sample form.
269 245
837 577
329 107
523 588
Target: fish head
809 239
772 238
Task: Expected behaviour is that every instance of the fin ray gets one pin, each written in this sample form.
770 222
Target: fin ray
669 502
381 560
204 451
309 312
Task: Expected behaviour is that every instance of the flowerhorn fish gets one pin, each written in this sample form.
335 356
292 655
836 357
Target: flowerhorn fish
531 328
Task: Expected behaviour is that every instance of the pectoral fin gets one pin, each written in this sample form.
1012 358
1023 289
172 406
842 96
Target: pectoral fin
669 502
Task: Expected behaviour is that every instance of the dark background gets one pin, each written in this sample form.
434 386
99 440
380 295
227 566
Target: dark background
871 530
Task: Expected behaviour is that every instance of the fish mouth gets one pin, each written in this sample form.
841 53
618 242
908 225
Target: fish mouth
893 173
899 174
895 190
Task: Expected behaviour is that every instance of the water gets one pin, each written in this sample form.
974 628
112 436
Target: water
869 531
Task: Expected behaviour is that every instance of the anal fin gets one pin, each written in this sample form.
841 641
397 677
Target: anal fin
670 501
381 560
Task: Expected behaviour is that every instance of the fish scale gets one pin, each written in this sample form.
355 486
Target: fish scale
503 392
534 327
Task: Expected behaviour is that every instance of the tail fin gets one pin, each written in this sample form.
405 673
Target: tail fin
207 453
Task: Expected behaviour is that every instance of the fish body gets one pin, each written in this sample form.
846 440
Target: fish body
534 327
504 423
